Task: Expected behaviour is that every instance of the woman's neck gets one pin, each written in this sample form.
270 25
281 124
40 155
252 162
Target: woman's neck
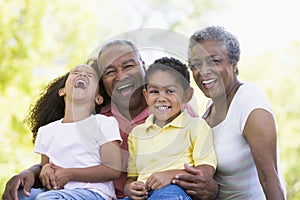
219 109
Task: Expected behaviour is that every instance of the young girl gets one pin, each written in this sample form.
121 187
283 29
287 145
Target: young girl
83 146
169 137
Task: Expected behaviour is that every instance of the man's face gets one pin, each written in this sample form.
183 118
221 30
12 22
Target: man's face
123 73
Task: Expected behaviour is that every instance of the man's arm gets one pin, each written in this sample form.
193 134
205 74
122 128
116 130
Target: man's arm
27 179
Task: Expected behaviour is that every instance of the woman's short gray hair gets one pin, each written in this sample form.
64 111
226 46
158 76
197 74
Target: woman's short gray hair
219 34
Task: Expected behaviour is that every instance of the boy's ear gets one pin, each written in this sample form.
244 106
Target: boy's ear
188 94
99 99
145 95
61 92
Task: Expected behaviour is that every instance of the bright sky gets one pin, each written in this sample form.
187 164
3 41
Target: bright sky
261 24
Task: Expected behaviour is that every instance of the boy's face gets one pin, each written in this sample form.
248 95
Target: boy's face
164 96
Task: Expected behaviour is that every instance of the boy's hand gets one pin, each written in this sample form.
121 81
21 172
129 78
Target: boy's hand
136 190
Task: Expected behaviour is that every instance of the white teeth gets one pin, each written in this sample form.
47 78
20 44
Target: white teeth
208 81
80 84
124 86
163 107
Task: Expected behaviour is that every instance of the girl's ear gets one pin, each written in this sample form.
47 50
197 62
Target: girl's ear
188 94
61 92
99 99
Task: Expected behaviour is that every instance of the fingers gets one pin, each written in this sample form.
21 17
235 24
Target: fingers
27 188
191 169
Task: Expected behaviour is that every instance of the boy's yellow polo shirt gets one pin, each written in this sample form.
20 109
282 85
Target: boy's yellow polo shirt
184 140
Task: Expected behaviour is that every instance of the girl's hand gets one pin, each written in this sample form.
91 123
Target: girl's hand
62 175
47 177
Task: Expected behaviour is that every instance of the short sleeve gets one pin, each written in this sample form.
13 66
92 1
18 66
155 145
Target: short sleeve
109 129
131 168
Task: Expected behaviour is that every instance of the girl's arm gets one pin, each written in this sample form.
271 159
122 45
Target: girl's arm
108 170
260 132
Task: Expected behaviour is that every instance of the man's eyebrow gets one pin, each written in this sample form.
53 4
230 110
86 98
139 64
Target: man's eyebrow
128 61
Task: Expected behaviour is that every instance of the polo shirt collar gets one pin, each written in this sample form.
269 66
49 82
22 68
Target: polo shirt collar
180 121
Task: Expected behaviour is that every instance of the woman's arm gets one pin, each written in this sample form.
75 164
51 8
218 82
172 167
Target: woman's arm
260 132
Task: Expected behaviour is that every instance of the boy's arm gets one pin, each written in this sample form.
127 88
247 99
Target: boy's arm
161 179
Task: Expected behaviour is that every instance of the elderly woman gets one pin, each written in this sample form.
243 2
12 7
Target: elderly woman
242 122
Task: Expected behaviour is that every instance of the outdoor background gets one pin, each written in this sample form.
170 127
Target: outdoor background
40 40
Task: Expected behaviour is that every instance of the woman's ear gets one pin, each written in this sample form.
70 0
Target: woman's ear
188 94
99 99
61 92
235 69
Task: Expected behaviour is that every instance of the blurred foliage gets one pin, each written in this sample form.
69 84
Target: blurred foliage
41 40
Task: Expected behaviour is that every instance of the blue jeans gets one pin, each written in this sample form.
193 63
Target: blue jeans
74 194
170 192
33 193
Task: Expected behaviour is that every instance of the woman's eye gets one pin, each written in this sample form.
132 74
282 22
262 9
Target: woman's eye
170 91
195 66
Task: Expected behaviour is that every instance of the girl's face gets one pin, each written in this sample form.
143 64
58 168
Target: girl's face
82 84
164 96
211 68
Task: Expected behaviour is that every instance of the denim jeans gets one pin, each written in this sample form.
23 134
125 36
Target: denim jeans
33 193
170 192
74 194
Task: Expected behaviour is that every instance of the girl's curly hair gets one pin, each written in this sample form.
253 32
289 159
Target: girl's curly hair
48 107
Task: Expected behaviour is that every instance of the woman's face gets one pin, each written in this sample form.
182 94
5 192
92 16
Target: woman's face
211 68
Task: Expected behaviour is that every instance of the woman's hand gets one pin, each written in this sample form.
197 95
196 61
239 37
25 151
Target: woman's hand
198 184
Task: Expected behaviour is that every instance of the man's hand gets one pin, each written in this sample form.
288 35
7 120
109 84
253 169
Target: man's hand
23 180
198 184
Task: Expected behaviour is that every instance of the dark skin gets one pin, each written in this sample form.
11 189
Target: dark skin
125 69
259 130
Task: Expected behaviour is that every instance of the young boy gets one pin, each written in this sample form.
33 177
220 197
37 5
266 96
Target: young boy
169 137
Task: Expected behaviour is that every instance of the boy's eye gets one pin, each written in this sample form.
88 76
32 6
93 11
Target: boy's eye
152 91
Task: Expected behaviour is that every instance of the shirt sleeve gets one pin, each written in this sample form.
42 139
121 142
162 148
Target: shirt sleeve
131 167
204 151
109 128
39 145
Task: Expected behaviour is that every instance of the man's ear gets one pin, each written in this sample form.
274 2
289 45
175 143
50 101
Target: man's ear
99 99
188 94
61 92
